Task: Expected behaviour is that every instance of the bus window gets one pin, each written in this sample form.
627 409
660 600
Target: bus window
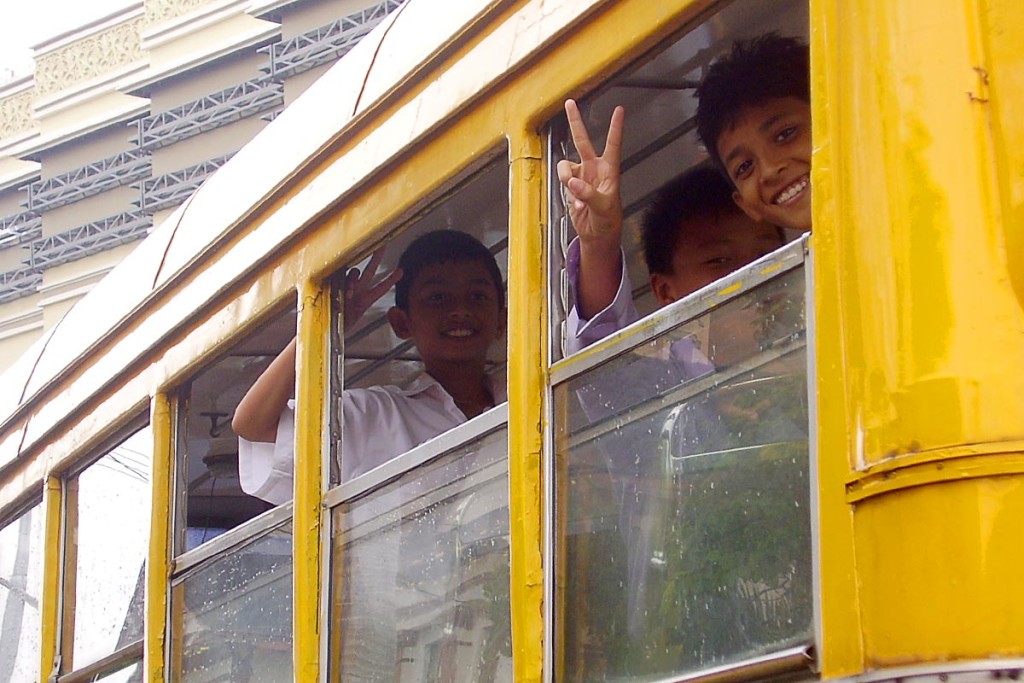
659 145
688 483
211 496
21 579
681 463
420 563
452 316
231 591
232 610
107 511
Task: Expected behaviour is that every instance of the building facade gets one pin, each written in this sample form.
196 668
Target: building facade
125 117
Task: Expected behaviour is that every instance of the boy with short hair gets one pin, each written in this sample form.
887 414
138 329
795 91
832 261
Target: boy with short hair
450 300
754 117
693 234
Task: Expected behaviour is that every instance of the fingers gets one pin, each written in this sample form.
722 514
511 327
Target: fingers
374 264
580 136
566 170
613 146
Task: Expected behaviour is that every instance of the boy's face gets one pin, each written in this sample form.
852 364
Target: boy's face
710 247
454 312
768 157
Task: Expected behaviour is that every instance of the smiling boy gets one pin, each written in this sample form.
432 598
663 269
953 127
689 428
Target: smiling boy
754 116
449 299
692 234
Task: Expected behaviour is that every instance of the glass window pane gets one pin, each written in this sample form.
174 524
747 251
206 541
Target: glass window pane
233 617
112 537
684 495
21 580
396 376
422 568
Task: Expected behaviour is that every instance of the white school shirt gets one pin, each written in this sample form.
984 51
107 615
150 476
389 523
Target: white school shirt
379 424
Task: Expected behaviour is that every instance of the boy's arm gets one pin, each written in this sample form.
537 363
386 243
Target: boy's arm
260 409
595 207
258 412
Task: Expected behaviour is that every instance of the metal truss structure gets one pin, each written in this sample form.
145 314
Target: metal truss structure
263 96
211 111
88 239
15 284
88 180
20 228
173 188
325 44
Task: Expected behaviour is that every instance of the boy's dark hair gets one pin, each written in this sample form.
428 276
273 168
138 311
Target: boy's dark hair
754 71
700 192
443 246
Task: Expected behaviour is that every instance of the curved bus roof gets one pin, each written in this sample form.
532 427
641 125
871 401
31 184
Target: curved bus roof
388 94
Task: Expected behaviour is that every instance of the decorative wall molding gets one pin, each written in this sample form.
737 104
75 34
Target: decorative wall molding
89 57
16 113
162 10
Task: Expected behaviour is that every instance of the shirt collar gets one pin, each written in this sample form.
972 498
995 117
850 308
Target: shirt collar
424 382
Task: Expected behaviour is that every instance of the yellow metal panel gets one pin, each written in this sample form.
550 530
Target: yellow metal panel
308 513
158 560
930 326
50 600
526 381
919 332
1001 27
957 592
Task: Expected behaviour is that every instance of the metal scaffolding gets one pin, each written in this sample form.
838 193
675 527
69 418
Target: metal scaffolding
20 228
324 44
87 239
208 112
174 188
88 180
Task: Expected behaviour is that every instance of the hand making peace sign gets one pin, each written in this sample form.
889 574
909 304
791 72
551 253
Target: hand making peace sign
592 185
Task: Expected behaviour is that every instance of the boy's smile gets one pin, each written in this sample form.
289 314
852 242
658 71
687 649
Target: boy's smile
454 312
767 154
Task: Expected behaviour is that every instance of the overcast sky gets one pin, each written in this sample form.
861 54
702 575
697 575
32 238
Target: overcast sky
28 22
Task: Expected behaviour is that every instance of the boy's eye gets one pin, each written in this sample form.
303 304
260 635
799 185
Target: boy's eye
786 133
481 296
718 261
743 168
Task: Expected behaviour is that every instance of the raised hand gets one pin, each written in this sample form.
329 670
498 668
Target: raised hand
361 292
592 185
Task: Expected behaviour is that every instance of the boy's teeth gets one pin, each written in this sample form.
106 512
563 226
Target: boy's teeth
791 191
459 333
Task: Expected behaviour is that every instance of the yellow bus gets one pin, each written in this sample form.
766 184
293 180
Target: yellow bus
838 501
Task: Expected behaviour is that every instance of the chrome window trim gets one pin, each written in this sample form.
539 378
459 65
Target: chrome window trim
232 539
122 658
454 438
683 392
792 660
766 268
810 322
484 474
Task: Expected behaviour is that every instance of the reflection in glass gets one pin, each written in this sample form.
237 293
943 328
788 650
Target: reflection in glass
233 616
684 495
21 578
113 498
422 569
